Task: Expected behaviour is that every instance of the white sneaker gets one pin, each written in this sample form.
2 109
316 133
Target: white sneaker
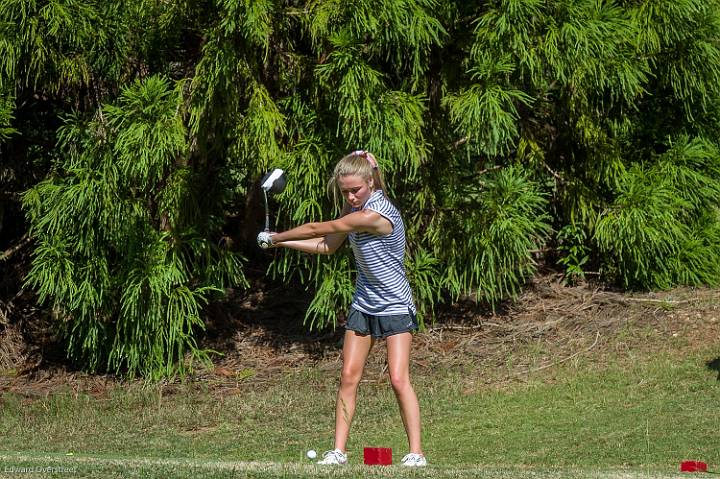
333 457
414 460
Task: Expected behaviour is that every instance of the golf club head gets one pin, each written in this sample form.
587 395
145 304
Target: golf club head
274 181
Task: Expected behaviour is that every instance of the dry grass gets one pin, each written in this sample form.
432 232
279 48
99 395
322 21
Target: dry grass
261 338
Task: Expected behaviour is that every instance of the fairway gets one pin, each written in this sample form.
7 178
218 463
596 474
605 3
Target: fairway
52 465
623 398
648 418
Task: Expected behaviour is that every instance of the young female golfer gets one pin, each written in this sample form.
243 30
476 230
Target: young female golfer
382 306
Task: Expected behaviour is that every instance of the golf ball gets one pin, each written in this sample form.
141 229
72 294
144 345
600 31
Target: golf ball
311 454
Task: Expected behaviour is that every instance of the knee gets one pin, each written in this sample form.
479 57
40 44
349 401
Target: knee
400 381
350 377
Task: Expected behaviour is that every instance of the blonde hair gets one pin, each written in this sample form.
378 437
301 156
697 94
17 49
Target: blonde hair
360 163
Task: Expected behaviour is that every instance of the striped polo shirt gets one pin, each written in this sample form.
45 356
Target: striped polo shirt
382 288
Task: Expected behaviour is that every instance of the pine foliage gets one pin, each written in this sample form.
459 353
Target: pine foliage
581 134
6 116
120 244
662 228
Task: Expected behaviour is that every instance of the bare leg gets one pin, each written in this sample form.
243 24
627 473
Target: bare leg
355 352
398 347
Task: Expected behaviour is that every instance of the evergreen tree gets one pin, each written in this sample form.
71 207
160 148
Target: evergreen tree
123 235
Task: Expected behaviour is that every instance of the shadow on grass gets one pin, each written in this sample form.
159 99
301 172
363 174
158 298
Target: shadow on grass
714 365
269 314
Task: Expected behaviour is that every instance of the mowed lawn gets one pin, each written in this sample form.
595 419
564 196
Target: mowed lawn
635 416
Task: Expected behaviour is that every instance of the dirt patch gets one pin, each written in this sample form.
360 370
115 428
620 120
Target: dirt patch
550 324
261 337
12 348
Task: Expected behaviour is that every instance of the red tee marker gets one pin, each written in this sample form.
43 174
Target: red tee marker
380 456
693 466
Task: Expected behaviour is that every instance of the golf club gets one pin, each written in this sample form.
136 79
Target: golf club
273 182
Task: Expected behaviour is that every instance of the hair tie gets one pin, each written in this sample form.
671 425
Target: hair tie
368 157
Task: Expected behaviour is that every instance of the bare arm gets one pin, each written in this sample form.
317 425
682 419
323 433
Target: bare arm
327 236
323 245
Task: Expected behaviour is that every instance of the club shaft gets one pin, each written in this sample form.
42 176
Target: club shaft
267 212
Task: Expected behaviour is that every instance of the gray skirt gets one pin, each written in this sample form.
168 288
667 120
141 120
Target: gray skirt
380 326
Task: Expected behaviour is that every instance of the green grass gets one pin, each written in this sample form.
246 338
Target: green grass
104 467
622 419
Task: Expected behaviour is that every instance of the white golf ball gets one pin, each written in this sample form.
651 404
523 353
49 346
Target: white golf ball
311 454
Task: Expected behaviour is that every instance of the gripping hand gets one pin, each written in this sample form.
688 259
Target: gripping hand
264 240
